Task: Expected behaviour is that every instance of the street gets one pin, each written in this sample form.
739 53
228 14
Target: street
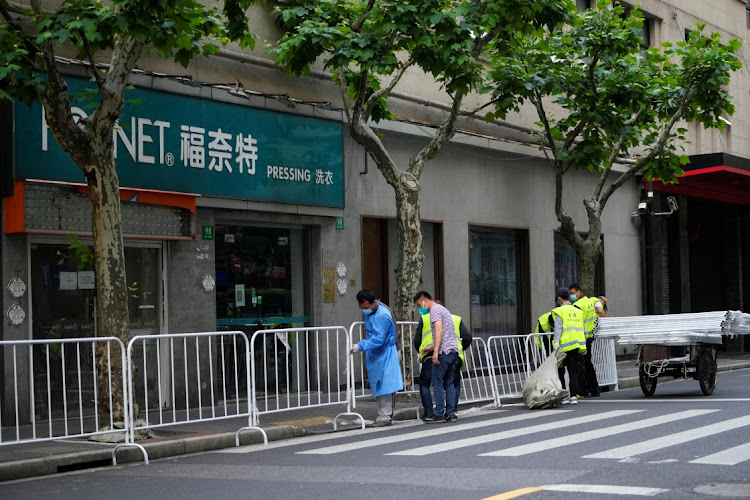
620 445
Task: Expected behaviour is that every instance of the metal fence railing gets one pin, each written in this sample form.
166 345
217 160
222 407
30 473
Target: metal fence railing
301 368
67 391
507 355
183 378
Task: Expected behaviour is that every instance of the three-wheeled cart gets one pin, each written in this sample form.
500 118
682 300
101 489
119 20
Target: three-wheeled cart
686 355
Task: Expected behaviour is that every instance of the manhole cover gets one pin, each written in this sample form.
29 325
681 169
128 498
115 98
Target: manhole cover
736 490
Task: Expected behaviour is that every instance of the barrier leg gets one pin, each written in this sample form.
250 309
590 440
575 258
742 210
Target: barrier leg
122 445
250 428
348 413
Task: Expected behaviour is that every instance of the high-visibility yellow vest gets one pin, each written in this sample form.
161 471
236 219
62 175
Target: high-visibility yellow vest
427 336
542 326
587 306
573 335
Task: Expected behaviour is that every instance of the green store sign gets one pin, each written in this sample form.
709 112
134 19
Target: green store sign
173 142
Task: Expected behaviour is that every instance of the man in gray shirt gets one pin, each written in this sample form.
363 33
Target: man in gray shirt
444 356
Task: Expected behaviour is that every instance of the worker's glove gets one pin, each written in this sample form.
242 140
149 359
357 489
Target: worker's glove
555 345
354 349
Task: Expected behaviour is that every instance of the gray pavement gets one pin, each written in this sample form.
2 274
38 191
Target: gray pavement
36 459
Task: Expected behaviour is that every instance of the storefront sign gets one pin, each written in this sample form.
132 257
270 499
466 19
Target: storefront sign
68 280
16 287
173 142
342 287
16 314
86 280
208 232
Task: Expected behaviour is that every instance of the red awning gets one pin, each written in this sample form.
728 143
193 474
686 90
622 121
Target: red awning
720 183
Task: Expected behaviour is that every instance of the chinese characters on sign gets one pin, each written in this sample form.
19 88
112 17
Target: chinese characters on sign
179 143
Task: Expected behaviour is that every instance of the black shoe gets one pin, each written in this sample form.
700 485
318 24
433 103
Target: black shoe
451 418
436 419
428 418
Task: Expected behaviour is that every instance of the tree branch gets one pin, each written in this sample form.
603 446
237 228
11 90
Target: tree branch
359 103
655 151
614 153
126 52
345 95
365 136
470 112
537 101
97 76
445 131
373 99
363 17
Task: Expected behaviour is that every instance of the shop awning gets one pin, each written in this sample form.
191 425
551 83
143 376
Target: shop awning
718 176
49 207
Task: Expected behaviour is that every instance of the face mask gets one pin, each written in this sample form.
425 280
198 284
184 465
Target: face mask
423 311
573 298
367 312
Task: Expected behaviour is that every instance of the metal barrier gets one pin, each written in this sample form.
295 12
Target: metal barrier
403 328
477 381
179 383
67 406
477 384
605 364
507 355
301 368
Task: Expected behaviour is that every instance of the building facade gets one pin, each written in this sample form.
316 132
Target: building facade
248 206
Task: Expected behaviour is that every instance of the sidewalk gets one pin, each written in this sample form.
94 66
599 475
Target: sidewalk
36 459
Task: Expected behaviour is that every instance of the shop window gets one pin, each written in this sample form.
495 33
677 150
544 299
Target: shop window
499 281
64 306
568 264
260 275
648 21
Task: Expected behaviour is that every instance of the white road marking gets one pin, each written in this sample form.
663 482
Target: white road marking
398 424
732 456
607 489
657 400
590 435
673 439
434 430
512 433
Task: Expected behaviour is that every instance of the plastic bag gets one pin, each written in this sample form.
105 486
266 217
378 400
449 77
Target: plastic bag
543 388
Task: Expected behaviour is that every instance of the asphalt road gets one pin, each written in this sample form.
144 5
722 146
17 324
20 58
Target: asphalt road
620 445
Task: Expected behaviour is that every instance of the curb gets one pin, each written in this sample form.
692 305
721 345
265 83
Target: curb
54 464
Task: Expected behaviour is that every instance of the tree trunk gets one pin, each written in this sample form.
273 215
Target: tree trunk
111 284
587 273
410 260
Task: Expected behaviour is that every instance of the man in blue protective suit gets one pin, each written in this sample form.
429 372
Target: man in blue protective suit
381 356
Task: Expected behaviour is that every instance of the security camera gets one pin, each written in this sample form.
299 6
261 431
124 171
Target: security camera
643 208
672 202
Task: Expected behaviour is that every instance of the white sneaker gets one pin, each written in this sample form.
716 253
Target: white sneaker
574 400
566 401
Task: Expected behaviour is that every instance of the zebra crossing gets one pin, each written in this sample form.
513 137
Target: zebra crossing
532 426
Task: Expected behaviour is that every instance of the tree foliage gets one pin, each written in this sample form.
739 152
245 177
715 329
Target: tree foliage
615 101
120 32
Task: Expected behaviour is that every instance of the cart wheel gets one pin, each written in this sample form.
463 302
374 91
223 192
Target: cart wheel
707 371
648 384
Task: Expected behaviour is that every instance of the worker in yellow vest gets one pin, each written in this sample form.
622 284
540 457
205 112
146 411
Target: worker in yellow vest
545 324
423 343
592 308
571 338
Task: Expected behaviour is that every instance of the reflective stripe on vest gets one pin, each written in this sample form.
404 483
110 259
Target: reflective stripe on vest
587 306
573 335
427 336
